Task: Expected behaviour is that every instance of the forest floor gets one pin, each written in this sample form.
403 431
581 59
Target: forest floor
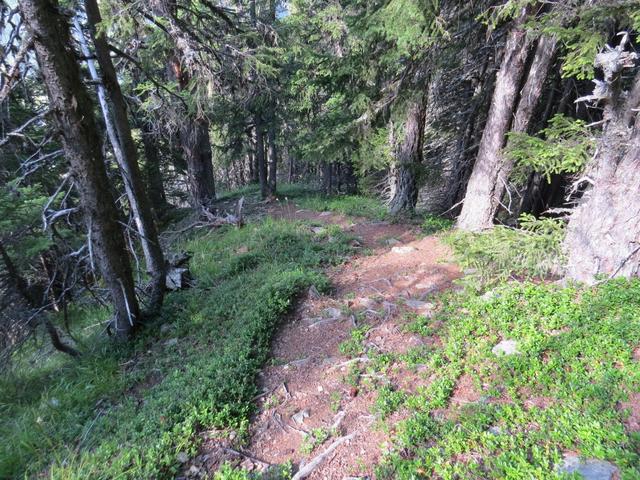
323 338
308 399
400 372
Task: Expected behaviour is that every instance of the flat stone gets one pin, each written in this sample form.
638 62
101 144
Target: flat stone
325 214
423 308
392 241
171 342
589 469
404 250
332 312
365 302
506 347
318 230
300 416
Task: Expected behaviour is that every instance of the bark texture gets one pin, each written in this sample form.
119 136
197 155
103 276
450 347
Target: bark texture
74 118
409 158
480 201
261 161
603 235
196 147
128 163
273 159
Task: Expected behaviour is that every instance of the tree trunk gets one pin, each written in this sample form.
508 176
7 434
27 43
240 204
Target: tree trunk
603 235
481 199
261 161
74 118
138 200
152 172
196 146
327 178
409 158
273 159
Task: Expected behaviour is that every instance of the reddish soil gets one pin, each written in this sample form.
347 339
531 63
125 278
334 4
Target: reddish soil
308 373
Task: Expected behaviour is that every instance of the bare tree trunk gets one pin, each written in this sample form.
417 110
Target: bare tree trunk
273 159
261 161
409 158
327 178
603 235
480 202
73 114
129 167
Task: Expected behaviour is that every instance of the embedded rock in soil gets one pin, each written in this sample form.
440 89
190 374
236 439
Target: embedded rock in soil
314 294
404 250
419 305
300 416
589 469
506 347
332 313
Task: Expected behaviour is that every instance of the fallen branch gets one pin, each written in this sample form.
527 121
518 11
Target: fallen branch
305 471
250 457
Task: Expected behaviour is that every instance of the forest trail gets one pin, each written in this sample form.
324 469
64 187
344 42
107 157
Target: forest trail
309 400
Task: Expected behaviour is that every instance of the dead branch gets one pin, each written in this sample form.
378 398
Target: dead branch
306 470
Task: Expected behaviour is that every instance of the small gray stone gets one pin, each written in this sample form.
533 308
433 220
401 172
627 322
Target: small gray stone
325 214
333 313
403 250
589 469
171 342
314 294
418 304
366 302
177 278
490 295
392 241
318 230
182 457
300 416
506 347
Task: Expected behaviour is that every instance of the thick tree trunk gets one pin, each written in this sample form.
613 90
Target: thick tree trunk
73 114
273 159
603 235
196 147
261 161
128 163
409 158
481 201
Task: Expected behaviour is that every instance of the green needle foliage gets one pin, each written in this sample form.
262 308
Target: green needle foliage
565 147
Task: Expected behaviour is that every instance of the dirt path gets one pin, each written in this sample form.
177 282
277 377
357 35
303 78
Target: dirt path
307 387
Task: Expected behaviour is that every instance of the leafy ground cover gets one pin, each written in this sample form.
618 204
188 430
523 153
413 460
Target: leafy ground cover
135 411
482 415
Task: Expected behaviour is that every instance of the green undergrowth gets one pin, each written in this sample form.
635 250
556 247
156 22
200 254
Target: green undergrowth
132 411
534 250
353 205
565 391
